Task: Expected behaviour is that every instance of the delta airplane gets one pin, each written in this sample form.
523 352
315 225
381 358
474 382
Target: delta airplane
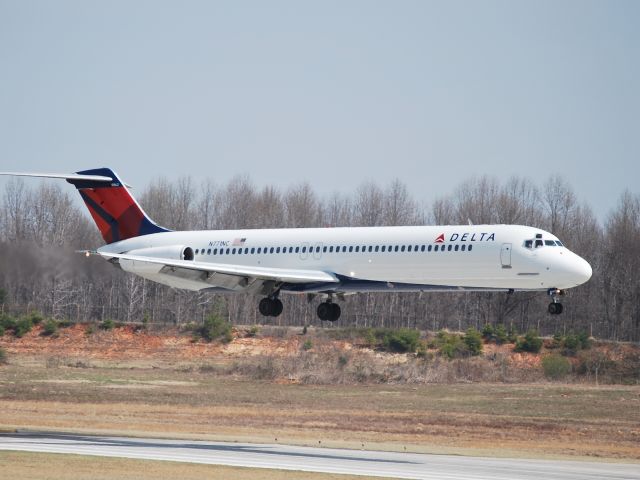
328 262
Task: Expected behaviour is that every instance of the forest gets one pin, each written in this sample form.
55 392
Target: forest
42 226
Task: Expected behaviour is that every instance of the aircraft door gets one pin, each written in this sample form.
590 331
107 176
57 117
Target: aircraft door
505 255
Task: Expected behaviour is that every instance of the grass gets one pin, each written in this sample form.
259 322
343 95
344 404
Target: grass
181 400
41 466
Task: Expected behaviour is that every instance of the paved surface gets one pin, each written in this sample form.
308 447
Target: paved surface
358 462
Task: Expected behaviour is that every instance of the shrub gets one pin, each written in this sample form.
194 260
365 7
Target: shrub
1 330
488 332
36 318
3 356
215 327
23 326
555 366
473 341
91 329
501 335
401 340
307 345
253 331
107 324
50 327
7 322
531 342
450 345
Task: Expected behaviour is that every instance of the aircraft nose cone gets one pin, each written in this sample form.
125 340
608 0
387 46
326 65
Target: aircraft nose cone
582 270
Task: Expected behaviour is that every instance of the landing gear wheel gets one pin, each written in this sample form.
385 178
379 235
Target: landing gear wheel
270 307
277 307
555 308
328 311
324 311
265 307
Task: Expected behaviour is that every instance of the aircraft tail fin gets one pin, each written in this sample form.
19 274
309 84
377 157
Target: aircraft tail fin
116 213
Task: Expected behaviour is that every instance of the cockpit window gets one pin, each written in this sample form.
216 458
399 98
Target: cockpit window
539 243
528 244
559 243
550 243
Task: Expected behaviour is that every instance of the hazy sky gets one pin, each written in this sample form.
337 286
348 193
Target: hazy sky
333 93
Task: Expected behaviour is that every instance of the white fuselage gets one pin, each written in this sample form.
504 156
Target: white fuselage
465 257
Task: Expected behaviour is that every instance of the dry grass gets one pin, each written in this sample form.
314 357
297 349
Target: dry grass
45 466
494 419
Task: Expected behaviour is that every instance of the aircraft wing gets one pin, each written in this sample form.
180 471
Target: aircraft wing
233 277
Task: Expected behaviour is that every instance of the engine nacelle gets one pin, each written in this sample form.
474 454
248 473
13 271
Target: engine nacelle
171 252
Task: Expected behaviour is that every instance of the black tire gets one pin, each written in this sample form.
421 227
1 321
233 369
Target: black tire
266 307
324 311
555 308
277 307
335 312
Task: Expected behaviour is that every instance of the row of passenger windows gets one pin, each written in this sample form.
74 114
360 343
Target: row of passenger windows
332 249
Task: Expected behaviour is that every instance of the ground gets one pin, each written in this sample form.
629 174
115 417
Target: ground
255 389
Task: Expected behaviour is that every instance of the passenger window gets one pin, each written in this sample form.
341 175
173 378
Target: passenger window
350 249
429 248
344 249
402 248
409 248
457 246
331 249
470 247
435 248
383 248
324 249
358 249
197 251
463 247
215 251
317 249
377 248
449 248
271 250
239 251
304 249
397 248
297 249
253 250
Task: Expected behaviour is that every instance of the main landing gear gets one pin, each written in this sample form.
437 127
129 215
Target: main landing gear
270 306
555 307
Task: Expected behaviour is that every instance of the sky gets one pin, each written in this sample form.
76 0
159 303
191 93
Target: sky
333 93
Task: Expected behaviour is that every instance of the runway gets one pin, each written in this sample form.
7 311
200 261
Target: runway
328 460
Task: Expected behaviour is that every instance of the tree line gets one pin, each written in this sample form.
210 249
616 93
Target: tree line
42 226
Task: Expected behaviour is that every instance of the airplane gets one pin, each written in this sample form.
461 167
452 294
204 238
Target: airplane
326 262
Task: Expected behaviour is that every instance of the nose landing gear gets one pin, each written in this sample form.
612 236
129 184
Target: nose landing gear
555 307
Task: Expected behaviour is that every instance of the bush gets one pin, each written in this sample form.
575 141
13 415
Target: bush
36 318
7 322
23 326
91 329
253 331
307 345
401 340
555 366
50 327
531 342
473 341
497 334
450 345
107 324
3 356
1 330
215 327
